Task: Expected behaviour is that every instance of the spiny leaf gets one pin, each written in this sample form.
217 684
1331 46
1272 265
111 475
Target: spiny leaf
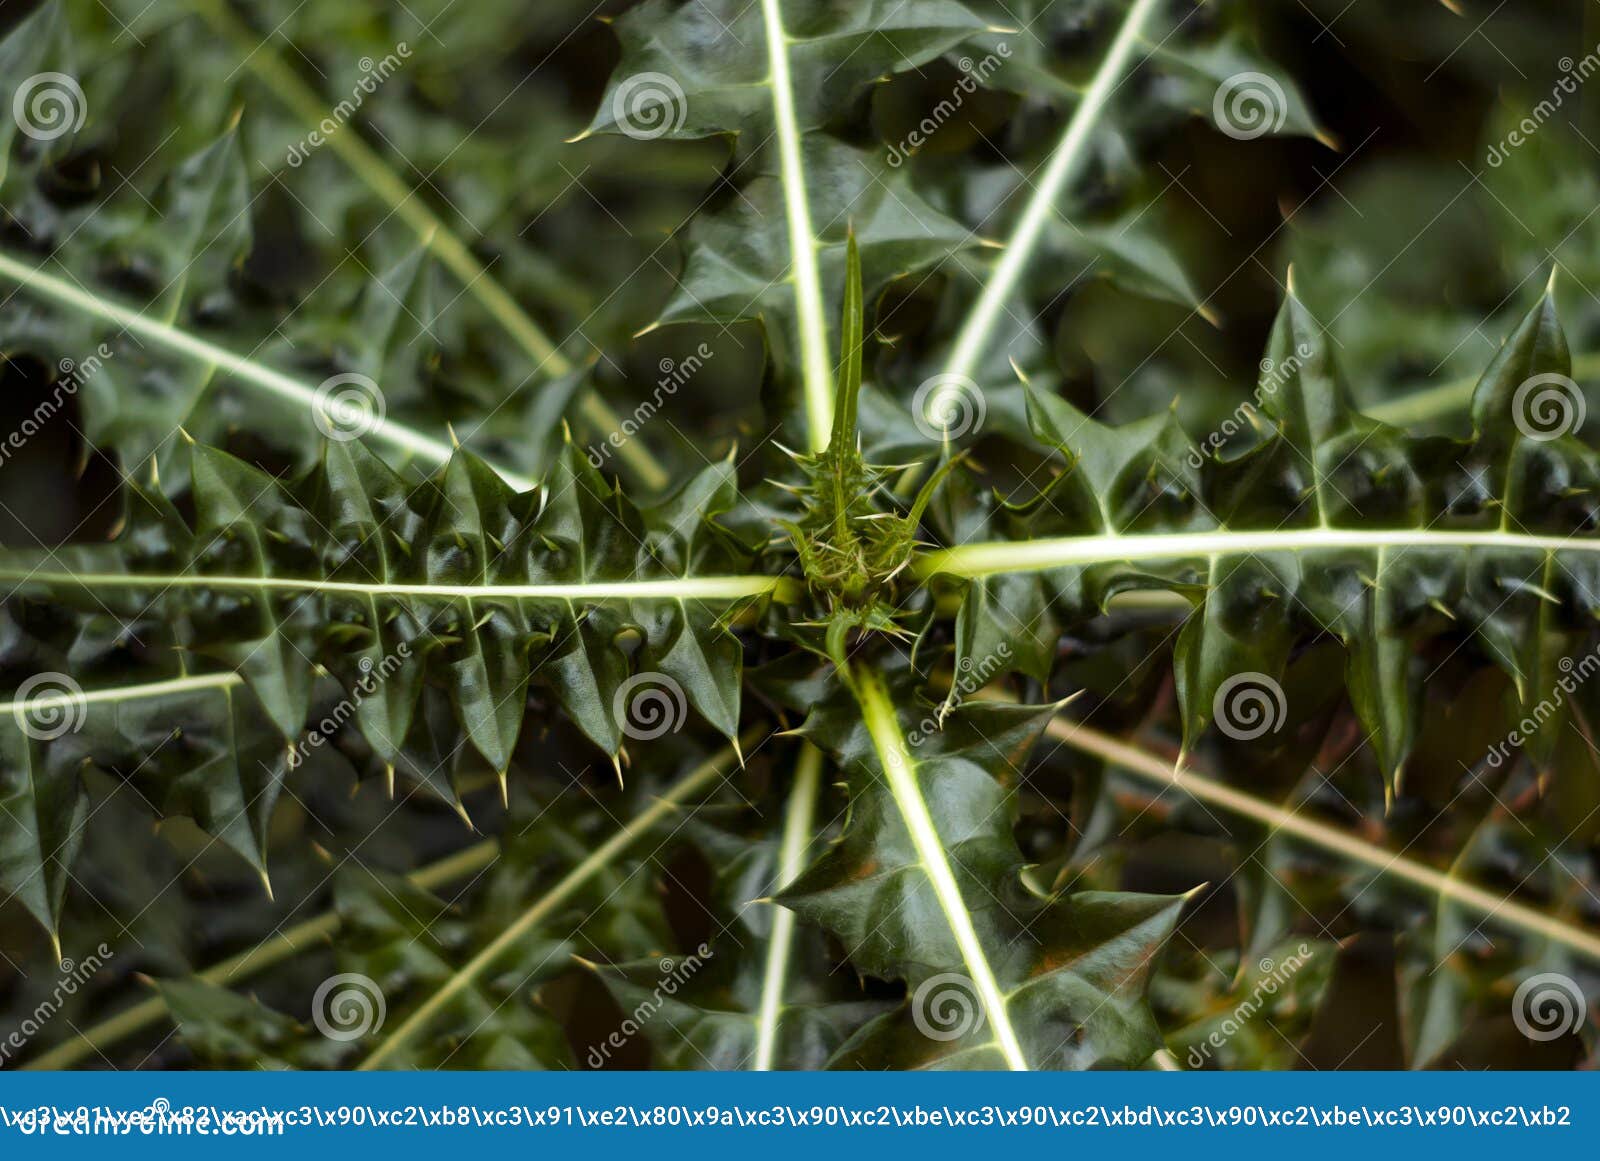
1334 522
925 885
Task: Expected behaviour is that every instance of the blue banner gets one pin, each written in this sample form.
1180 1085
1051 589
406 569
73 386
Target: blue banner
938 1114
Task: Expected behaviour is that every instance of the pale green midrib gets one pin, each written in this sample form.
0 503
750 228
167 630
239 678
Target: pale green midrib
975 333
698 588
122 693
900 772
258 958
797 828
172 338
989 558
816 369
1197 785
430 230
640 824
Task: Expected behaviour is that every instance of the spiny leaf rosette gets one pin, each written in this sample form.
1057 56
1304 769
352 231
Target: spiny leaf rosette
382 546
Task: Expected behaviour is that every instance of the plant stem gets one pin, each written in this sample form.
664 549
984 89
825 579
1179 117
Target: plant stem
286 943
798 825
973 340
1494 908
123 693
444 243
698 779
900 772
816 369
990 558
711 588
275 382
